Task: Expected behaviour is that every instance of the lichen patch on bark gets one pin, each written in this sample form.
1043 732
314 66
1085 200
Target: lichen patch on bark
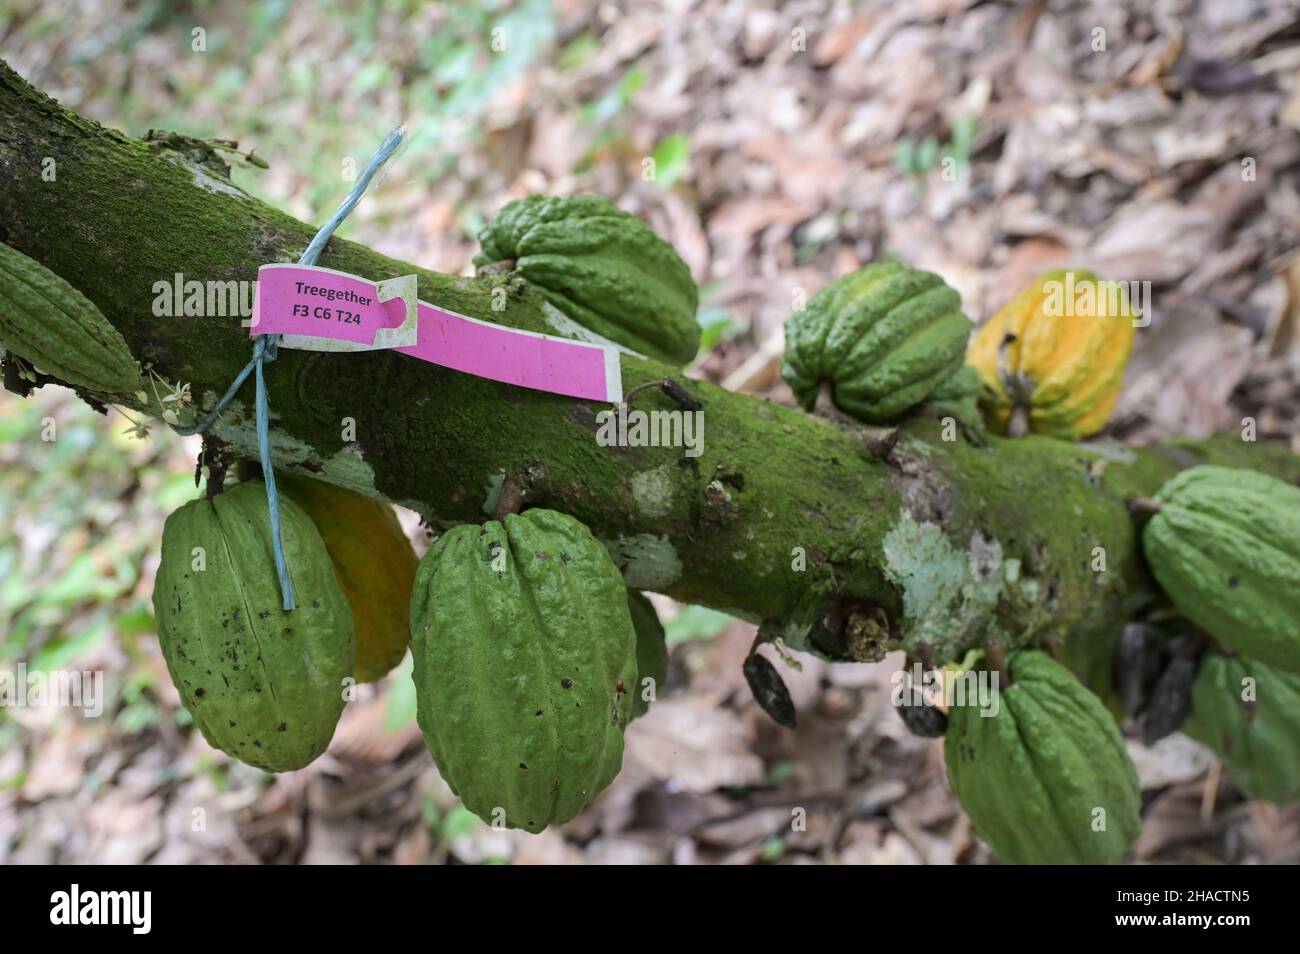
653 490
950 596
648 562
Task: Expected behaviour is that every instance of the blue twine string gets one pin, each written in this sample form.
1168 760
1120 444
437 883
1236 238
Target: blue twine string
266 349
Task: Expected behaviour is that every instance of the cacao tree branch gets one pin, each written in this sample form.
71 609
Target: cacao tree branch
840 544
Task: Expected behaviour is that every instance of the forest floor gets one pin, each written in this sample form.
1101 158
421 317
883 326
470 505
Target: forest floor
1153 142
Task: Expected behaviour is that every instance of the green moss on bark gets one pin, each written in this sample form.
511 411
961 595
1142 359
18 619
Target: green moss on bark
783 517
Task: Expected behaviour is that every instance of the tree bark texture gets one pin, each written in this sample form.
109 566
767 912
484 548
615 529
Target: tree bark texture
812 527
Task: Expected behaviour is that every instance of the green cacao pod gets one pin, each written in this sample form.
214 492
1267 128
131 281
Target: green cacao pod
960 392
59 330
651 651
525 666
958 398
884 337
1033 776
263 685
374 563
1225 547
1249 714
604 268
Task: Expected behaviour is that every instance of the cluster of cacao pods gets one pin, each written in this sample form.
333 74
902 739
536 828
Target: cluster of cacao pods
885 340
531 656
265 685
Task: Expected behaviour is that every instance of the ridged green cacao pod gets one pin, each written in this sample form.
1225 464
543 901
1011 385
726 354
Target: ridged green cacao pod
263 685
884 337
604 268
59 330
1225 547
651 651
525 666
961 392
1249 714
1033 776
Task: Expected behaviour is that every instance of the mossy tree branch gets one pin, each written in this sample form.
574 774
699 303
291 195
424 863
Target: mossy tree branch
936 546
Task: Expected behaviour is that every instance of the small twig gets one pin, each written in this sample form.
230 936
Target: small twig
672 388
517 489
1143 509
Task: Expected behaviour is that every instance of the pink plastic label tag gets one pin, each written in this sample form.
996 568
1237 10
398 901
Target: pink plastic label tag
301 301
324 310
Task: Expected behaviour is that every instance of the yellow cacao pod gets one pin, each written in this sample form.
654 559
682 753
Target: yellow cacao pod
1057 351
373 562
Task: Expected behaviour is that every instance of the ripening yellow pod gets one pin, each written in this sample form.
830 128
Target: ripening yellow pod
1052 361
374 563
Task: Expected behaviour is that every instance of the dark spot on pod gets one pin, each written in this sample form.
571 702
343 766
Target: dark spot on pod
566 682
287 631
257 687
315 604
538 712
565 558
233 725
200 692
283 726
1232 582
769 690
265 614
523 766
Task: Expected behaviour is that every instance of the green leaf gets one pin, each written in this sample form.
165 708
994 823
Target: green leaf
459 821
577 51
903 156
716 324
773 849
671 157
927 154
963 136
696 622
401 697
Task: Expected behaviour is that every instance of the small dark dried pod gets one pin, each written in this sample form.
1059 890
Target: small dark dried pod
1171 700
921 718
1139 659
769 690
